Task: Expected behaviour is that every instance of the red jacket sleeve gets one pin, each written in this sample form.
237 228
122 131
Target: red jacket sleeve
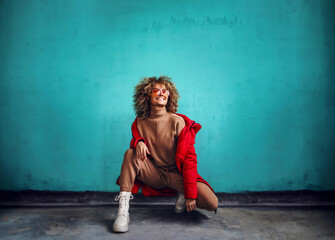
190 173
134 142
136 135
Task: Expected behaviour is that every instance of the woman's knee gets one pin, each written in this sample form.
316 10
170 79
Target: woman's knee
129 156
206 197
129 153
210 204
213 204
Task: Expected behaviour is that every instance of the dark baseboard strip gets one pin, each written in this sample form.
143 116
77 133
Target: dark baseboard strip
32 198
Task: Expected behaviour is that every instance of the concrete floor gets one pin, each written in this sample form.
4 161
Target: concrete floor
160 222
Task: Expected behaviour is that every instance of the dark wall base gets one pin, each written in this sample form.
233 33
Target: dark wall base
88 198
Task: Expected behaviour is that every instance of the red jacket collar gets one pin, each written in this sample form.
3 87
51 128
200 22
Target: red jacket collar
189 123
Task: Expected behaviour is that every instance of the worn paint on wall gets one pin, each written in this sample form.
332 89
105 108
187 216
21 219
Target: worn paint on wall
258 76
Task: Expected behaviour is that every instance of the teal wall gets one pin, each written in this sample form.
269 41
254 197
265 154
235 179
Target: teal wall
257 75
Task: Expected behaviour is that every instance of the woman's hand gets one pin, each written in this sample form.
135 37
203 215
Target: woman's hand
191 204
142 151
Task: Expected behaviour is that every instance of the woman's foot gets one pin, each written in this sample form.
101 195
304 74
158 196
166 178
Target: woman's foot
122 220
179 206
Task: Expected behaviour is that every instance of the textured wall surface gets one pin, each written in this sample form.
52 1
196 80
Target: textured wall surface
257 75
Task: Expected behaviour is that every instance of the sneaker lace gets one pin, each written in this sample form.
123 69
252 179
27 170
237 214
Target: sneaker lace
123 206
181 199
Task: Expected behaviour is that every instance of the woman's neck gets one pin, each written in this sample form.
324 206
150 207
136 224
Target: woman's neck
157 112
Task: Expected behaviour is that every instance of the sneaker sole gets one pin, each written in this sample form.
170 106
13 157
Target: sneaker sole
120 228
176 210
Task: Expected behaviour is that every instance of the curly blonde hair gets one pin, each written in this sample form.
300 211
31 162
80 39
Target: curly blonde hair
141 98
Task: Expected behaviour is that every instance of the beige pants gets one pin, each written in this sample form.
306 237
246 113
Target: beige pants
158 178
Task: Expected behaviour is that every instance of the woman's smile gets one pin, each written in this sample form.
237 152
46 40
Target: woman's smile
159 96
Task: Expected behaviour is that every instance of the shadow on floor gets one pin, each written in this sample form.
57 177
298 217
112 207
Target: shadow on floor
161 222
162 215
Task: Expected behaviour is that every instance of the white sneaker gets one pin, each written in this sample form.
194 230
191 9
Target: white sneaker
122 220
179 206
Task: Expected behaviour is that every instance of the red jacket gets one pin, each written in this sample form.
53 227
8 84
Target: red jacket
186 161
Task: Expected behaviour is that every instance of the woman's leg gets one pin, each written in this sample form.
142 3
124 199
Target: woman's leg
133 167
206 197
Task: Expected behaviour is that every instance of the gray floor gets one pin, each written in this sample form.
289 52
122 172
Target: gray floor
160 222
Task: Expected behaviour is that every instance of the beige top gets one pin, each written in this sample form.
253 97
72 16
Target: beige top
161 131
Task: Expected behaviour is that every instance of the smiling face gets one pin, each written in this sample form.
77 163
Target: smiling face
159 97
